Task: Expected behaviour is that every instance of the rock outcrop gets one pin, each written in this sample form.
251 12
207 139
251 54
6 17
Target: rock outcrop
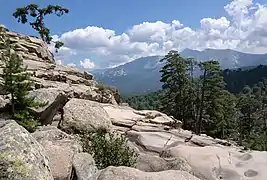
54 83
21 156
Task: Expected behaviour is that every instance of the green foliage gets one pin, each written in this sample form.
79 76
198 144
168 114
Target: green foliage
17 83
38 14
103 87
109 149
151 101
210 100
177 87
25 119
237 79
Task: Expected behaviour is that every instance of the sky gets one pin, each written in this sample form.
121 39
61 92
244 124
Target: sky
103 33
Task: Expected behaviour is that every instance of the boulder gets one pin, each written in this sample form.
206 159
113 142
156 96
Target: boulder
60 149
84 116
127 173
84 166
54 100
21 156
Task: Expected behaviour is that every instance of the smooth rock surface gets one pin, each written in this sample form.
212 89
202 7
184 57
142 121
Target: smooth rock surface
223 162
21 156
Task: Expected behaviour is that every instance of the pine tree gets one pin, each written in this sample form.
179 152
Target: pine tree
248 106
176 86
209 103
17 83
34 11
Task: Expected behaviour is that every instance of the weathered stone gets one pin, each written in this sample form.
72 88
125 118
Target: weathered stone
153 163
31 45
60 148
153 141
84 166
46 74
149 127
21 156
126 173
139 120
83 115
222 162
54 99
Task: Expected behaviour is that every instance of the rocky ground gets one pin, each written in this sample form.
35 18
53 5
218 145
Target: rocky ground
77 102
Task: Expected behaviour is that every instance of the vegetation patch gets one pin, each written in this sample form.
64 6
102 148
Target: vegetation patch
108 149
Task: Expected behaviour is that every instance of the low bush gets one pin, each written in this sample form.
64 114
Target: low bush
25 119
109 149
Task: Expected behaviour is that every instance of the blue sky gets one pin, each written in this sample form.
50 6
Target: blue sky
104 33
119 15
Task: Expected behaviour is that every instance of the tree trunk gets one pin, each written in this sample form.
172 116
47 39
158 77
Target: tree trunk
199 126
12 104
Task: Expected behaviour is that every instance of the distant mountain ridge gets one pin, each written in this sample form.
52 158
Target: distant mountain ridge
142 75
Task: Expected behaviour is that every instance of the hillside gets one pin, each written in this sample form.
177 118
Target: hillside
143 73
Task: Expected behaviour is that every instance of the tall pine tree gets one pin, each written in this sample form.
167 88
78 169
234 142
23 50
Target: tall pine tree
177 86
209 98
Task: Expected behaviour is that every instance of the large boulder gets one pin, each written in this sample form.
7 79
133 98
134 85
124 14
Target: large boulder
84 116
54 100
84 166
127 173
21 156
60 149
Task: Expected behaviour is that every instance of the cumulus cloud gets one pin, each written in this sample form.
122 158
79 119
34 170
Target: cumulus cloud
245 30
87 64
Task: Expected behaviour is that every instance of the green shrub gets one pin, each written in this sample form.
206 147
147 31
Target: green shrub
103 87
25 119
109 149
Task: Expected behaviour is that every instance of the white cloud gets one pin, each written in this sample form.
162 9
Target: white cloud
87 64
71 65
59 62
245 30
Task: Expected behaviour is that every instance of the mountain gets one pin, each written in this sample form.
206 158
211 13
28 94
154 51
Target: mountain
139 76
142 75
